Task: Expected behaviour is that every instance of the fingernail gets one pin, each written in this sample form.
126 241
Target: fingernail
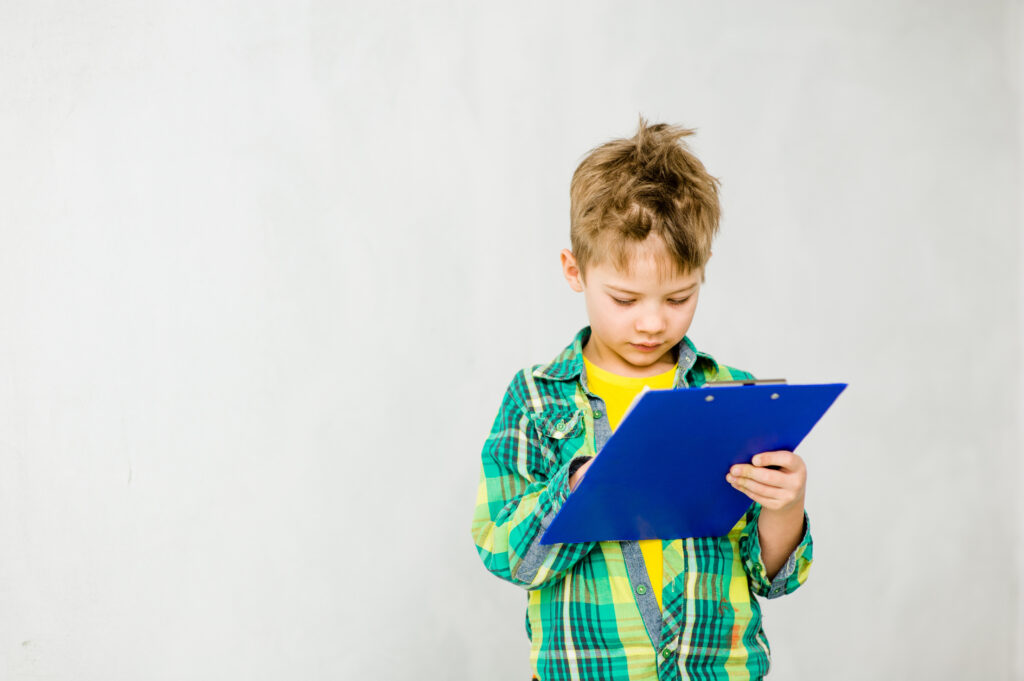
757 461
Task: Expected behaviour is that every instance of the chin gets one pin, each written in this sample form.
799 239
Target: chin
645 357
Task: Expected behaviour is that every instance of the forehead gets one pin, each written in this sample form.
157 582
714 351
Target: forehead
645 268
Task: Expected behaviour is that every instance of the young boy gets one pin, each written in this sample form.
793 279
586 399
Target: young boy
643 214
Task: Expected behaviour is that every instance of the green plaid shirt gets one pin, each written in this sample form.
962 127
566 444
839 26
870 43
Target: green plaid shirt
591 613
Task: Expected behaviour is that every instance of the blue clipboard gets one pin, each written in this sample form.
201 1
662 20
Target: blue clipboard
661 475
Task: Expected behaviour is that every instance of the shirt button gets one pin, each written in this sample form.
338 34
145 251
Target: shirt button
597 414
560 425
666 653
641 589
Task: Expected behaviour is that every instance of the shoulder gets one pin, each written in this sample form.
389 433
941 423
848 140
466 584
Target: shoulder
713 370
728 373
532 391
550 386
541 408
520 388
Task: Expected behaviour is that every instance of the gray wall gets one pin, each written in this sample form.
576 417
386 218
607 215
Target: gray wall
267 267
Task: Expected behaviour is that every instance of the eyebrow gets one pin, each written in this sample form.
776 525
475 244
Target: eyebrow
634 293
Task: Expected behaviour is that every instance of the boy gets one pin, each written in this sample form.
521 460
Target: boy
643 214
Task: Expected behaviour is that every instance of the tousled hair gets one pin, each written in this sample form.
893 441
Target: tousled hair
627 190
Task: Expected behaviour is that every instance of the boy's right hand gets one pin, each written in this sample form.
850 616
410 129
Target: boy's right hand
575 478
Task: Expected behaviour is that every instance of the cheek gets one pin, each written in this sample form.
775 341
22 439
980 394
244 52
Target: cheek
607 309
613 318
604 313
685 314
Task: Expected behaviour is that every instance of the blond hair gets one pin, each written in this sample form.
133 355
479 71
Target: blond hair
626 190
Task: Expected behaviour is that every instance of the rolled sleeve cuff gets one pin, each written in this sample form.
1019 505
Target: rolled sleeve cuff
558 484
793 572
538 554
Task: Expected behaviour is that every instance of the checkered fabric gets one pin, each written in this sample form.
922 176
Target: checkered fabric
586 615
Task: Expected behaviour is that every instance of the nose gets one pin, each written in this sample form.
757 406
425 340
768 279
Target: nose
650 322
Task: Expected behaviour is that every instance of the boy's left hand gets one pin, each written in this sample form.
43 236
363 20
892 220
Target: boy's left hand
777 490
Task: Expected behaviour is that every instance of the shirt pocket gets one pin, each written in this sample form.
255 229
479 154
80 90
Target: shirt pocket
558 433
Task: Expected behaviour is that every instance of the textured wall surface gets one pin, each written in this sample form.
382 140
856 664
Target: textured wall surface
267 267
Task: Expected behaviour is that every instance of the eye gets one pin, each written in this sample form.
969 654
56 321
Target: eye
622 302
679 302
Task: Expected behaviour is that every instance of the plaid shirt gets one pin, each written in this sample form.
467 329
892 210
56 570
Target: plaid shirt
591 614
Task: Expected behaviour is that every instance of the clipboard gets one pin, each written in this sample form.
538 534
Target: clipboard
661 475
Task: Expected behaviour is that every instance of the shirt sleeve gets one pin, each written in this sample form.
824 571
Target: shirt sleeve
793 572
522 486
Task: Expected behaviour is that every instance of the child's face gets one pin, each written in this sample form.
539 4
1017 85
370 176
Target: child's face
630 311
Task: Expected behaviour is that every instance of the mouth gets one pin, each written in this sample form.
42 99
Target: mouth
646 347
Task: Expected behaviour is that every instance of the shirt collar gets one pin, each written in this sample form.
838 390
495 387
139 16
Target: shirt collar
568 364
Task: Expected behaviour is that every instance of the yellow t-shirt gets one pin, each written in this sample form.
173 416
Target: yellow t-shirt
617 393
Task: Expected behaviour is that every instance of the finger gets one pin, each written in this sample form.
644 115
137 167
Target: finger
764 501
785 460
746 485
762 475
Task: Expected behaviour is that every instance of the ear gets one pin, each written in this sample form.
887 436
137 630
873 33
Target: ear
571 271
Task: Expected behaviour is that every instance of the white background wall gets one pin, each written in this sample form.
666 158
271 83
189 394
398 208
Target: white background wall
267 267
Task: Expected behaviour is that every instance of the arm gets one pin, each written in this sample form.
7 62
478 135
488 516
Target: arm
776 541
780 533
521 489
